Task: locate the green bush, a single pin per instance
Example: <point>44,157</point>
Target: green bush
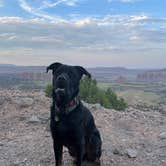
<point>48,90</point>
<point>90,93</point>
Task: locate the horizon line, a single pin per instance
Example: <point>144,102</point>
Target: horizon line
<point>125,67</point>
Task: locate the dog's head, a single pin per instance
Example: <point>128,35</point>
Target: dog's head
<point>66,81</point>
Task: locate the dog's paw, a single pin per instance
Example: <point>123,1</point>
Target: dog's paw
<point>73,163</point>
<point>97,162</point>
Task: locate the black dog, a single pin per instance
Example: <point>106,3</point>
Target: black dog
<point>72,124</point>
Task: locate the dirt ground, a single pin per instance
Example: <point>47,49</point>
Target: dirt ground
<point>130,138</point>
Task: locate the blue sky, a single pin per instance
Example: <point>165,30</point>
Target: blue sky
<point>84,8</point>
<point>130,33</point>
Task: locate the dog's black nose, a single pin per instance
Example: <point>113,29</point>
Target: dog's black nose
<point>61,78</point>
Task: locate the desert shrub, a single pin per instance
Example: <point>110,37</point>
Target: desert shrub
<point>48,90</point>
<point>91,93</point>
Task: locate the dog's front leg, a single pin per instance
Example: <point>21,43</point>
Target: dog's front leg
<point>80,152</point>
<point>58,148</point>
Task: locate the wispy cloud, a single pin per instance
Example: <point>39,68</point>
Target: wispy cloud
<point>47,4</point>
<point>37,12</point>
<point>139,18</point>
<point>147,19</point>
<point>11,20</point>
<point>25,6</point>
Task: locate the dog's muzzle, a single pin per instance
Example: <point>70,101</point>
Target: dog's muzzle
<point>59,91</point>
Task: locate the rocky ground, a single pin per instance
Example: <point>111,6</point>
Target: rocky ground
<point>130,138</point>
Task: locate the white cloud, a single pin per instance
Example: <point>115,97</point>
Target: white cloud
<point>8,36</point>
<point>11,20</point>
<point>21,20</point>
<point>37,12</point>
<point>112,36</point>
<point>47,4</point>
<point>5,34</point>
<point>25,6</point>
<point>139,18</point>
<point>134,38</point>
<point>84,22</point>
<point>163,26</point>
<point>90,31</point>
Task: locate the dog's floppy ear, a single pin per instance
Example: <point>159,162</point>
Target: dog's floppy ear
<point>53,66</point>
<point>82,71</point>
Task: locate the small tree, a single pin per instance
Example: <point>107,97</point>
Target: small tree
<point>90,93</point>
<point>88,90</point>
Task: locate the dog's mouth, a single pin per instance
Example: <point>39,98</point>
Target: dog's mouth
<point>59,90</point>
<point>60,94</point>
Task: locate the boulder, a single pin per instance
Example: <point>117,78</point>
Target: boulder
<point>1,144</point>
<point>163,111</point>
<point>118,151</point>
<point>162,135</point>
<point>24,101</point>
<point>2,100</point>
<point>132,153</point>
<point>97,106</point>
<point>34,119</point>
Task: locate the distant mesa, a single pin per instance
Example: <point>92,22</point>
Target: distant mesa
<point>7,65</point>
<point>35,76</point>
<point>154,75</point>
<point>101,74</point>
<point>163,70</point>
<point>121,80</point>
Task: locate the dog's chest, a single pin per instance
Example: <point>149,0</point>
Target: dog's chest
<point>64,130</point>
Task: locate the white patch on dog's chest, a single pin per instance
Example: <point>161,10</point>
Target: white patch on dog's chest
<point>56,118</point>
